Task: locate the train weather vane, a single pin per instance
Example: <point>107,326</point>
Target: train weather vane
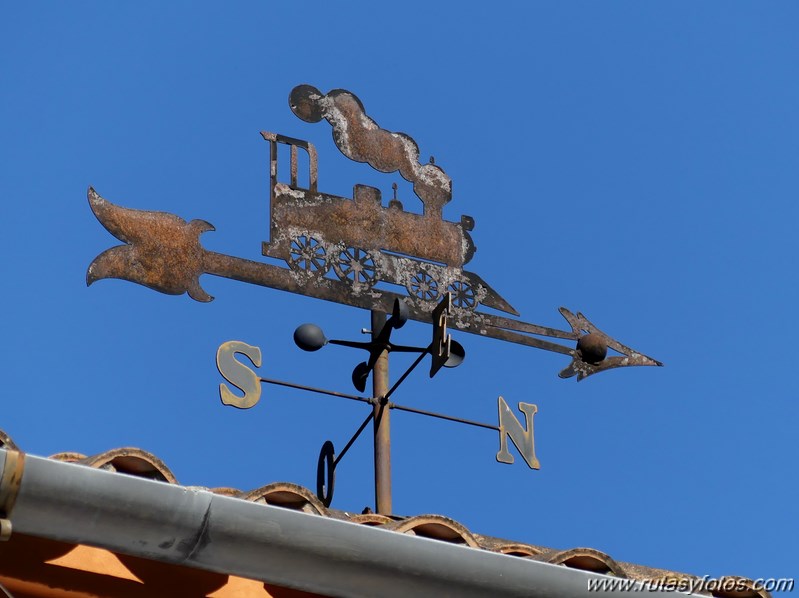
<point>334,245</point>
<point>340,249</point>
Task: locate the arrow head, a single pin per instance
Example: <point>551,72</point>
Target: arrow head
<point>589,356</point>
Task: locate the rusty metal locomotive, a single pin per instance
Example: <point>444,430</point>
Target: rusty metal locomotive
<point>364,243</point>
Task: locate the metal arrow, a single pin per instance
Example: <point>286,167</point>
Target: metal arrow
<point>163,252</point>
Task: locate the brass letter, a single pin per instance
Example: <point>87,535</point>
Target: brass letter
<point>509,426</point>
<point>239,374</point>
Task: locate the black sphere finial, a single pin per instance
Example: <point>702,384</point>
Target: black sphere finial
<point>309,337</point>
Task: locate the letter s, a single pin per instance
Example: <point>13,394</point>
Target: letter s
<point>239,374</point>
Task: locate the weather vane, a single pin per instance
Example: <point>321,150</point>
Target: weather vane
<point>339,249</point>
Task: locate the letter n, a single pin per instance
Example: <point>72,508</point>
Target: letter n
<point>522,437</point>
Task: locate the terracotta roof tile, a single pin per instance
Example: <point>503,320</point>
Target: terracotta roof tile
<point>436,527</point>
<point>231,492</point>
<point>586,559</point>
<point>133,461</point>
<point>137,462</point>
<point>290,496</point>
<point>68,457</point>
<point>371,519</point>
<point>516,549</point>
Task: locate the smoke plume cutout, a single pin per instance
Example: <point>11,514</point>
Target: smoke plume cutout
<point>361,139</point>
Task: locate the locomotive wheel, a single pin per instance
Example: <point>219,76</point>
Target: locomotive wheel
<point>357,266</point>
<point>307,254</point>
<point>462,295</point>
<point>423,286</point>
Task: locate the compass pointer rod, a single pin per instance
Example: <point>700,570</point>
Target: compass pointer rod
<point>321,391</point>
<point>459,420</point>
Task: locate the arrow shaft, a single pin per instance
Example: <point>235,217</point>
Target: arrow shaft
<point>507,323</point>
<point>277,277</point>
<point>163,252</point>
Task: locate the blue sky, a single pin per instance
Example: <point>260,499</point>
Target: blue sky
<point>633,161</point>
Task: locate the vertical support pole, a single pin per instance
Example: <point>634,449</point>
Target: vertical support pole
<point>382,424</point>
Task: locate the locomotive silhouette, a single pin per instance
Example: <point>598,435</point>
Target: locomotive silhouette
<point>359,240</point>
<point>363,242</point>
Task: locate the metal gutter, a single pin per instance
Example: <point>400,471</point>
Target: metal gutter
<point>196,528</point>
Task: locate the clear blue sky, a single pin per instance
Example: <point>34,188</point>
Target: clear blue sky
<point>638,162</point>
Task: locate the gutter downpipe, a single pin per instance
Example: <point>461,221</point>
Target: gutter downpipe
<point>196,528</point>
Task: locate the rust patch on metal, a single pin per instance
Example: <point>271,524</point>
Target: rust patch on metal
<point>6,442</point>
<point>13,470</point>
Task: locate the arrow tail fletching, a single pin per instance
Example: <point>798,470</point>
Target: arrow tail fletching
<point>161,251</point>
